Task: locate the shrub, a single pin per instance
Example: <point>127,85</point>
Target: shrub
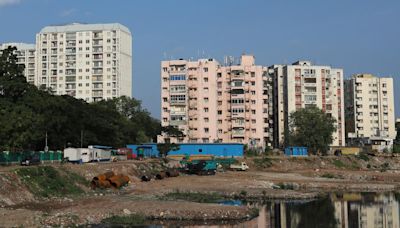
<point>263,162</point>
<point>46,181</point>
<point>133,220</point>
<point>339,164</point>
<point>328,175</point>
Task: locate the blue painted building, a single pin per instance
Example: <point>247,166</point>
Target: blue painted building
<point>215,149</point>
<point>296,151</point>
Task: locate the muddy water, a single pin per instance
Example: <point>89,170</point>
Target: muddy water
<point>345,210</point>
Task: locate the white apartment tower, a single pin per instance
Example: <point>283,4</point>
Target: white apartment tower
<point>370,111</point>
<point>87,61</point>
<point>26,56</point>
<point>210,102</point>
<point>302,85</point>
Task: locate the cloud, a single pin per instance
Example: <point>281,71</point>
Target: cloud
<point>67,12</point>
<point>8,2</point>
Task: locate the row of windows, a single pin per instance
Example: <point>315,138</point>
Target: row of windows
<point>177,77</point>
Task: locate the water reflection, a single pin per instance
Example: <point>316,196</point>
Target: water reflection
<point>348,210</point>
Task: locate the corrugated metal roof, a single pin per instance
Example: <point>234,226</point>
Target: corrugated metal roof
<point>76,27</point>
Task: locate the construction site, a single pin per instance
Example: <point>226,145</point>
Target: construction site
<point>163,190</point>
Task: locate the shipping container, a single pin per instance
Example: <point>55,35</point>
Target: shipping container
<point>296,151</point>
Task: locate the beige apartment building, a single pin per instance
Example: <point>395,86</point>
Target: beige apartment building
<point>302,85</point>
<point>370,112</point>
<point>211,102</point>
<point>87,61</point>
<point>26,56</point>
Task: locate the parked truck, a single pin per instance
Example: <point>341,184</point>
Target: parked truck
<point>239,167</point>
<point>200,167</point>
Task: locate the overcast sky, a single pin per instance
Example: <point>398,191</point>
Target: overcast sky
<point>360,36</point>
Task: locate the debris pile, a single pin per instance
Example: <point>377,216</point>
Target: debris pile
<point>108,180</point>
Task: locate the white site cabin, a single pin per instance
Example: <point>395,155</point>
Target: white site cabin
<point>85,155</point>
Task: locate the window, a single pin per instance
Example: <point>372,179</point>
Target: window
<point>310,80</point>
<point>237,110</point>
<point>206,120</point>
<point>178,98</point>
<point>205,69</point>
<point>177,77</point>
<point>237,101</point>
<point>178,89</point>
<point>205,109</point>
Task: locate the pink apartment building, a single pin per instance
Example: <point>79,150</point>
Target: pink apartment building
<point>211,102</point>
<point>301,85</point>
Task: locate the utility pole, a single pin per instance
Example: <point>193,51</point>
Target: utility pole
<point>81,138</point>
<point>46,148</point>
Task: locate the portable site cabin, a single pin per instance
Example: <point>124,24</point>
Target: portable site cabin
<point>84,155</point>
<point>296,151</point>
<point>100,153</point>
<point>73,155</point>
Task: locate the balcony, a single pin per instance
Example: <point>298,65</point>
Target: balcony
<point>177,122</point>
<point>177,102</point>
<point>97,43</point>
<point>97,36</point>
<point>97,50</point>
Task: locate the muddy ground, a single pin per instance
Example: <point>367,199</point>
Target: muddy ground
<point>275,178</point>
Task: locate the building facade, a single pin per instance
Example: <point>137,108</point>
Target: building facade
<point>370,112</point>
<point>302,85</point>
<point>87,61</point>
<point>210,102</point>
<point>26,56</point>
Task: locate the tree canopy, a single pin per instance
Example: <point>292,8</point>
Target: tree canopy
<point>312,128</point>
<point>28,113</point>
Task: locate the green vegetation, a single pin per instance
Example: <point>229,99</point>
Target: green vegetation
<point>328,175</point>
<point>363,156</point>
<point>285,186</point>
<point>384,167</point>
<point>339,164</point>
<point>46,181</point>
<point>263,162</point>
<point>165,148</point>
<point>396,142</point>
<point>312,128</point>
<point>194,197</point>
<point>133,220</point>
<point>28,113</point>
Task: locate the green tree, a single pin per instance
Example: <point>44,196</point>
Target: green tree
<point>312,128</point>
<point>28,113</point>
<point>165,148</point>
<point>12,80</point>
<point>396,142</point>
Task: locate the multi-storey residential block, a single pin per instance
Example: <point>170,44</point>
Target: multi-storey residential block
<point>302,85</point>
<point>370,110</point>
<point>210,102</point>
<point>26,56</point>
<point>87,61</point>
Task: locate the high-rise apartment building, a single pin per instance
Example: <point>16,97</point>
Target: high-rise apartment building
<point>211,102</point>
<point>87,61</point>
<point>302,85</point>
<point>369,107</point>
<point>26,56</point>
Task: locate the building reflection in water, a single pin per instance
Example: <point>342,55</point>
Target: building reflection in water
<point>358,210</point>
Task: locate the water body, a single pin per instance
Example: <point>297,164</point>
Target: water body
<point>341,210</point>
